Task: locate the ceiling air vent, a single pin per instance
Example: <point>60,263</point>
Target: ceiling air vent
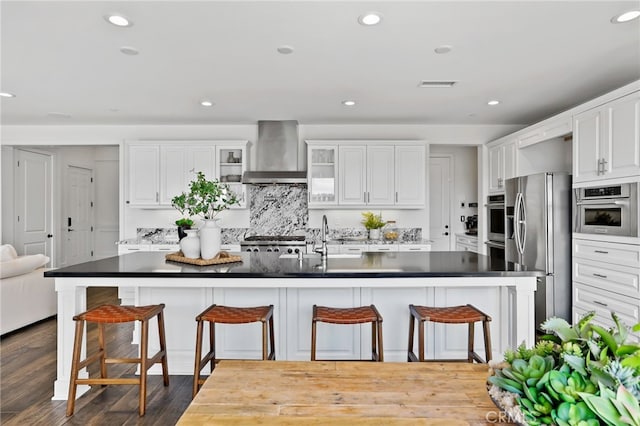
<point>427,84</point>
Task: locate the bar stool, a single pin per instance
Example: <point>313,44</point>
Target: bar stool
<point>230,315</point>
<point>450,315</point>
<point>118,314</point>
<point>357,315</point>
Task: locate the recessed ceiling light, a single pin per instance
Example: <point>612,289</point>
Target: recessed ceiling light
<point>370,18</point>
<point>493,102</point>
<point>427,84</point>
<point>206,103</point>
<point>118,20</point>
<point>285,49</point>
<point>59,114</point>
<point>7,95</point>
<point>625,17</point>
<point>128,50</point>
<point>445,48</point>
<point>348,103</point>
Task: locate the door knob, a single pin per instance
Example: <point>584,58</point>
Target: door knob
<point>49,235</point>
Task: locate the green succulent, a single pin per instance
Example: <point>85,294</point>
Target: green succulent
<point>618,408</point>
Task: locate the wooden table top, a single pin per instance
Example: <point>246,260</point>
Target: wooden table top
<point>343,392</point>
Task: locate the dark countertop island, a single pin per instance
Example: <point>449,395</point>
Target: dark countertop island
<point>272,265</point>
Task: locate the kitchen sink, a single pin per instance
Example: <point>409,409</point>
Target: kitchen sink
<point>317,256</point>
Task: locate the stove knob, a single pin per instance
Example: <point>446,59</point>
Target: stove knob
<point>289,251</point>
<point>297,251</point>
<point>248,249</point>
<point>255,250</point>
<point>277,249</point>
<point>269,249</point>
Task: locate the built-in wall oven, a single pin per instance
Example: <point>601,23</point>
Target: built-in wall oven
<point>496,217</point>
<point>607,210</point>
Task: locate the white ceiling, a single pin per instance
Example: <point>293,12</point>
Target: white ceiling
<point>538,57</point>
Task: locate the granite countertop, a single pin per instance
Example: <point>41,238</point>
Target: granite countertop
<point>145,241</point>
<point>271,265</point>
<point>356,241</point>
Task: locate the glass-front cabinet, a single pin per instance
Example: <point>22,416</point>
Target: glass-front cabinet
<point>231,164</point>
<point>322,174</point>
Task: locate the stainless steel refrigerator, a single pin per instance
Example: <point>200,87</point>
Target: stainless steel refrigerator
<point>538,236</point>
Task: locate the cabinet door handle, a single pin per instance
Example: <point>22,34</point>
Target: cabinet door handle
<point>601,251</point>
<point>396,196</point>
<point>600,276</point>
<point>157,197</point>
<point>604,166</point>
<point>600,303</point>
<point>364,196</point>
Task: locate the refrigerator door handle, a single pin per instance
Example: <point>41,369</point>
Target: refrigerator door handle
<point>523,215</point>
<point>516,227</point>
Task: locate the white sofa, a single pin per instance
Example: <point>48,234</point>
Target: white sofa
<point>25,295</point>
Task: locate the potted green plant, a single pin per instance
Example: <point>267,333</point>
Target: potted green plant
<point>373,223</point>
<point>179,202</point>
<point>206,198</point>
<point>580,375</point>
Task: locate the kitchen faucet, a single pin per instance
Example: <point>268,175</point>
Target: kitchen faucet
<point>324,232</point>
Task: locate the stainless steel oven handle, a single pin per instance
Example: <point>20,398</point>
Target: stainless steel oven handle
<point>494,244</point>
<point>604,203</point>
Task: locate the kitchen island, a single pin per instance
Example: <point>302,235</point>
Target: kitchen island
<point>391,281</point>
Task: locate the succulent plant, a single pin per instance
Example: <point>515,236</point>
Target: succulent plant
<point>578,375</point>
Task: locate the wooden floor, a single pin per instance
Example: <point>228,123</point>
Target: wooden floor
<point>28,370</point>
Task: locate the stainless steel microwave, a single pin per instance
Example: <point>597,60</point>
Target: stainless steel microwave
<point>607,210</point>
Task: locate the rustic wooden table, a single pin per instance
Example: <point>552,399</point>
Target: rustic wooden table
<point>340,392</point>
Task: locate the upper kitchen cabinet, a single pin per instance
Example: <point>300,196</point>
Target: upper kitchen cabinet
<point>606,140</point>
<point>366,173</point>
<point>157,171</point>
<point>502,165</point>
<point>322,174</point>
<point>231,166</point>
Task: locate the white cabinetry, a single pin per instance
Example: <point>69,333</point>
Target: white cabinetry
<point>414,247</point>
<point>157,171</point>
<point>466,243</point>
<point>322,175</point>
<point>606,278</point>
<point>502,165</point>
<point>606,141</point>
<point>552,128</point>
<point>368,173</point>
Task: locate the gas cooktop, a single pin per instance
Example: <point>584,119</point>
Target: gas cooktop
<point>276,238</point>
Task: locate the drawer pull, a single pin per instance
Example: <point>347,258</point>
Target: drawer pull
<point>384,249</point>
<point>600,303</point>
<point>353,249</point>
<point>600,276</point>
<point>416,249</point>
<point>601,251</point>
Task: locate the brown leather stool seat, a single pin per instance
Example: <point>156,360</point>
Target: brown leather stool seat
<point>357,315</point>
<point>464,314</point>
<point>114,314</point>
<point>230,315</point>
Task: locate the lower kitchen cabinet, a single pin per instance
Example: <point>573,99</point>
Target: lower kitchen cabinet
<point>414,247</point>
<point>466,243</point>
<point>606,278</point>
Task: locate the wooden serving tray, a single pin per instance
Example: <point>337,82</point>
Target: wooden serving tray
<point>220,258</point>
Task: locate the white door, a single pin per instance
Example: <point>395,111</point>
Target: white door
<point>621,137</point>
<point>410,164</point>
<point>78,217</point>
<point>33,203</point>
<point>352,162</point>
<point>439,189</point>
<point>587,128</point>
<point>144,174</point>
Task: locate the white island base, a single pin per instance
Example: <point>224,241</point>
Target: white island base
<point>509,300</point>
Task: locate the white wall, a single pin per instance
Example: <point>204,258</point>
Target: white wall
<point>7,204</point>
<point>130,219</point>
<point>465,181</point>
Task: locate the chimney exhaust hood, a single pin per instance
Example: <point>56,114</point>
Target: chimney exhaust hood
<point>277,155</point>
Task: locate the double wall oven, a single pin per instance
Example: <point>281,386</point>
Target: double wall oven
<point>496,225</point>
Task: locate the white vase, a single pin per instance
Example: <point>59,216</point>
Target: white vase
<point>210,239</point>
<point>374,234</point>
<point>190,245</point>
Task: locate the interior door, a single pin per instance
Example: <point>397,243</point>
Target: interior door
<point>439,203</point>
<point>33,203</point>
<point>79,217</point>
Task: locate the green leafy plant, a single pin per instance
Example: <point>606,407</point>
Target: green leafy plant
<point>206,198</point>
<point>578,375</point>
<point>372,221</point>
<point>179,202</point>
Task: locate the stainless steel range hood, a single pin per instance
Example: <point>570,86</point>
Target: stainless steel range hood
<point>277,155</point>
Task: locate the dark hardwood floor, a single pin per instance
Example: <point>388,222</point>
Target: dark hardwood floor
<point>28,370</point>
